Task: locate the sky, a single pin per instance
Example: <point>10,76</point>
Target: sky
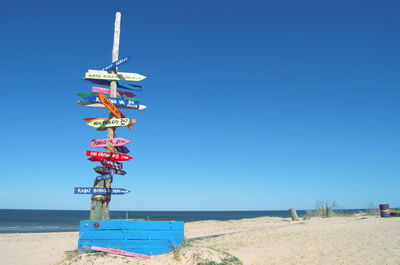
<point>252,105</point>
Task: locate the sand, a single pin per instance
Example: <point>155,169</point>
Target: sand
<point>366,240</point>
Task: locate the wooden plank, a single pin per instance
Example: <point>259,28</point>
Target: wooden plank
<point>101,191</point>
<point>97,105</point>
<point>92,94</point>
<point>122,149</point>
<point>131,225</point>
<point>130,234</point>
<point>156,248</point>
<point>120,76</point>
<point>113,122</point>
<point>120,84</point>
<point>113,109</point>
<point>111,156</point>
<point>119,252</point>
<point>112,141</point>
<point>123,102</point>
<point>116,63</point>
<point>107,91</point>
<point>106,170</point>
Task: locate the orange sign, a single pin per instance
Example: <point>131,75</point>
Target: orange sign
<point>112,108</point>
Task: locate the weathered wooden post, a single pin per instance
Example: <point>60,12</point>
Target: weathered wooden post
<point>100,207</point>
<point>328,212</point>
<point>293,214</point>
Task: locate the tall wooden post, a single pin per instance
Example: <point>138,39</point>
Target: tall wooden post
<point>100,208</point>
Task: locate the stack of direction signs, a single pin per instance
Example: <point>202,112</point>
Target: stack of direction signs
<point>105,83</point>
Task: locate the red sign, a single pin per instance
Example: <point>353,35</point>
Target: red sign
<point>110,156</point>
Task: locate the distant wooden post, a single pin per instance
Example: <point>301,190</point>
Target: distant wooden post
<point>293,214</point>
<point>328,212</point>
<point>100,208</point>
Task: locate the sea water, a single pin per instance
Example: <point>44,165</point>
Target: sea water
<point>36,221</point>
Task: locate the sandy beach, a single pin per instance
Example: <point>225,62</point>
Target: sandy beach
<point>366,240</point>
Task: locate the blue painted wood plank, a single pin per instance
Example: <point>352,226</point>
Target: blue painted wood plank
<point>131,225</point>
<point>131,234</point>
<point>147,247</point>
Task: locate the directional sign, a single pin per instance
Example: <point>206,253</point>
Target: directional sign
<point>91,94</point>
<point>111,164</point>
<point>106,170</point>
<point>127,102</point>
<point>113,109</point>
<point>113,141</point>
<point>122,149</point>
<point>116,63</point>
<point>113,122</point>
<point>103,191</point>
<point>119,84</point>
<point>94,119</point>
<point>107,91</point>
<point>104,177</point>
<point>90,104</point>
<point>111,156</point>
<point>104,75</point>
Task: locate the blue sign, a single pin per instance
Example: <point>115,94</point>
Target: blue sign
<point>106,170</point>
<point>100,191</point>
<point>116,101</point>
<point>119,84</point>
<point>116,63</point>
<point>104,177</point>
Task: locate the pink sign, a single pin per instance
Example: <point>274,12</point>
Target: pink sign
<point>113,141</point>
<point>107,91</point>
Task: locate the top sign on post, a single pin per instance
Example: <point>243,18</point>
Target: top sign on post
<point>116,63</point>
<point>104,75</point>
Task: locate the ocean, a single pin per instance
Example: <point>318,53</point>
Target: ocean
<point>41,221</point>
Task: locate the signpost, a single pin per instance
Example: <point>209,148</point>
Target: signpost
<point>91,94</point>
<point>118,84</point>
<point>90,104</point>
<point>113,122</point>
<point>106,170</point>
<point>122,149</point>
<point>111,164</point>
<point>126,102</point>
<point>101,191</point>
<point>104,75</point>
<point>116,63</point>
<point>113,141</point>
<point>111,156</point>
<point>104,177</point>
<point>107,91</point>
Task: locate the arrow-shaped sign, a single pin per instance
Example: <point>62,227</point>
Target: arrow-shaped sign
<point>111,164</point>
<point>113,141</point>
<point>92,94</point>
<point>119,84</point>
<point>90,104</point>
<point>107,91</point>
<point>103,191</point>
<point>122,149</point>
<point>126,102</point>
<point>106,170</point>
<point>116,63</point>
<point>104,75</point>
<point>104,177</point>
<point>113,122</point>
<point>111,156</point>
<point>113,109</point>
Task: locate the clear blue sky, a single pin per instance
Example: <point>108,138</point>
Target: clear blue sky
<point>252,105</point>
